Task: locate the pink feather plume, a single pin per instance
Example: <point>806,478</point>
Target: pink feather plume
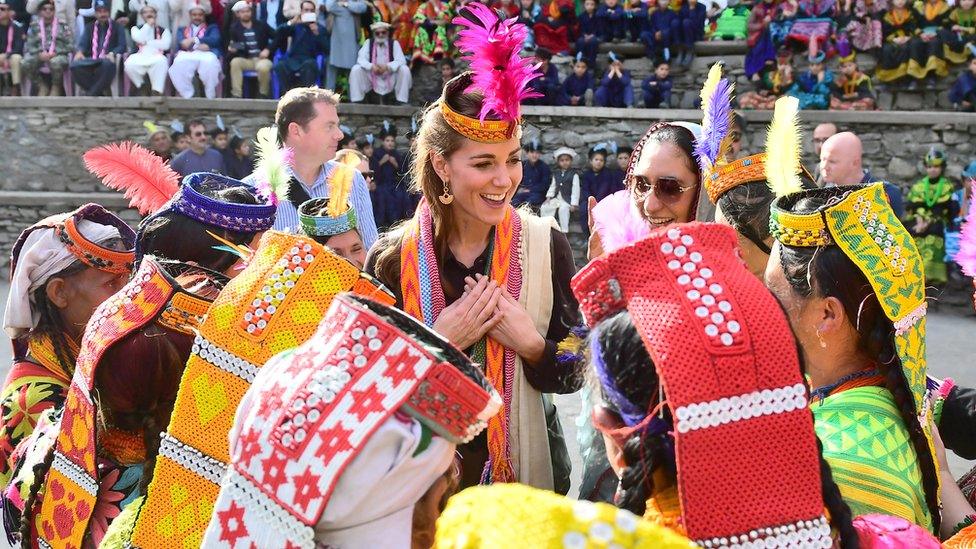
<point>966,257</point>
<point>618,222</point>
<point>492,45</point>
<point>146,179</point>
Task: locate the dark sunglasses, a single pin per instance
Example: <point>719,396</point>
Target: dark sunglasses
<point>197,134</point>
<point>667,189</point>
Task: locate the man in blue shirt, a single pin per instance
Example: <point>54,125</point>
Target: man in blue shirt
<point>299,66</point>
<point>308,123</point>
<point>200,157</point>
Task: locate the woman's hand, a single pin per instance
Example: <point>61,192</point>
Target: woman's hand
<point>516,329</point>
<point>468,319</point>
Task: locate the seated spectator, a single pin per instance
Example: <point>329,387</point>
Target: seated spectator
<point>198,54</point>
<point>657,87</point>
<point>249,48</point>
<point>93,68</point>
<point>962,32</point>
<point>624,153</point>
<point>613,20</point>
<point>814,24</point>
<point>759,38</point>
<point>389,167</point>
<point>238,162</point>
<point>447,69</point>
<point>963,92</point>
<point>65,10</point>
<point>563,195</point>
<point>658,39</point>
<point>179,12</point>
<point>149,60</point>
<point>199,157</point>
<point>536,177</point>
<point>771,83</point>
<point>578,87</point>
<point>864,27</point>
<point>552,32</point>
<point>381,69</point>
<point>732,23</point>
<point>12,47</point>
<point>852,90</point>
<point>692,21</point>
<point>636,12</point>
<point>162,13</point>
<point>813,87</point>
<point>547,84</point>
<point>218,136</point>
<point>615,89</point>
<point>302,41</point>
<point>430,41</point>
<point>599,180</point>
<point>898,26</point>
<point>927,58</point>
<point>591,33</point>
<point>529,13</point>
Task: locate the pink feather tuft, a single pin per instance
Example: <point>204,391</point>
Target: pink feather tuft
<point>492,45</point>
<point>618,222</point>
<point>966,257</point>
<point>876,531</point>
<point>146,179</point>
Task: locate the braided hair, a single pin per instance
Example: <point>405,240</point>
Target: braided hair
<point>631,381</point>
<point>51,324</point>
<point>828,272</point>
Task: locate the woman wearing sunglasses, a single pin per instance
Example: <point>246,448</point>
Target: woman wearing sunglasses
<point>492,280</point>
<point>695,360</point>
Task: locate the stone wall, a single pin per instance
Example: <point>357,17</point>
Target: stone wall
<point>44,138</point>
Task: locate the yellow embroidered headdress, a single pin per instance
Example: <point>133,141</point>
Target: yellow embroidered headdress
<point>860,221</point>
<point>491,45</point>
<point>274,304</point>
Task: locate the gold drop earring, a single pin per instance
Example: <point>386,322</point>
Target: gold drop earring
<point>446,197</point>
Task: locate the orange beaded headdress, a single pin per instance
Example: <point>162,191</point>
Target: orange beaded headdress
<point>273,305</point>
<point>491,45</point>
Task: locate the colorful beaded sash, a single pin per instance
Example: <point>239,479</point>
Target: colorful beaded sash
<point>423,298</point>
<point>273,305</point>
<point>71,486</point>
<point>315,408</point>
<point>727,359</point>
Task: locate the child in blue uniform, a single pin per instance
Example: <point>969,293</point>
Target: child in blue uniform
<point>657,87</point>
<point>598,181</point>
<point>615,89</point>
<point>692,21</point>
<point>659,37</point>
<point>614,20</point>
<point>536,178</point>
<point>578,87</point>
<point>389,165</point>
<point>591,32</point>
<point>548,83</point>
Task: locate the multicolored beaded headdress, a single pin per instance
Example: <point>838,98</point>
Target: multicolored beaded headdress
<point>153,295</point>
<point>365,362</point>
<point>859,220</point>
<point>727,360</point>
<point>491,45</point>
<point>274,304</point>
<point>65,226</point>
<point>339,216</point>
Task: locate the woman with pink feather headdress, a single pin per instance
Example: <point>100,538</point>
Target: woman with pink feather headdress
<point>491,279</point>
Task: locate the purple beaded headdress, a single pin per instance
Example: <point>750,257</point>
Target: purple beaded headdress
<point>193,201</point>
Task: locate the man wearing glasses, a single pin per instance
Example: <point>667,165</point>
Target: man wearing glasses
<point>381,68</point>
<point>11,50</point>
<point>200,157</point>
<point>49,42</point>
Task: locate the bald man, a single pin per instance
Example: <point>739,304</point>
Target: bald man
<point>820,134</point>
<point>840,164</point>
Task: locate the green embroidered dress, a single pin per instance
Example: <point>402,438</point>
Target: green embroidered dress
<point>931,201</point>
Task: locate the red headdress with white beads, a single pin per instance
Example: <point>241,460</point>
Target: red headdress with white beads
<point>728,362</point>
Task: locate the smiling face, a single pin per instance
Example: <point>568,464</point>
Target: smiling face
<point>350,246</point>
<point>482,177</point>
<point>664,166</point>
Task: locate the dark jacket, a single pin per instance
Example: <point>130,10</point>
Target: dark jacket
<point>264,37</point>
<point>18,38</point>
<point>211,37</point>
<point>304,43</point>
<point>116,42</point>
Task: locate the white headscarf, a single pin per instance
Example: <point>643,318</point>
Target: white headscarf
<point>42,256</point>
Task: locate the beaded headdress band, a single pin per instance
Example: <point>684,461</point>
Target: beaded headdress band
<point>491,46</point>
<point>860,221</point>
<point>365,363</point>
<point>89,253</point>
<point>71,485</point>
<point>274,304</point>
<point>193,203</point>
<point>724,353</point>
<point>324,225</point>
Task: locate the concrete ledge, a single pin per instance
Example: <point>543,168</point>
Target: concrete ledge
<point>72,200</point>
<point>213,106</point>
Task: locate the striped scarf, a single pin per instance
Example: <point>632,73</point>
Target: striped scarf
<point>423,298</point>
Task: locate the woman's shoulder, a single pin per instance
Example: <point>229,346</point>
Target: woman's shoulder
<point>856,415</point>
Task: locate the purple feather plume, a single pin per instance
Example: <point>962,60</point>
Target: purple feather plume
<point>715,125</point>
<point>492,45</point>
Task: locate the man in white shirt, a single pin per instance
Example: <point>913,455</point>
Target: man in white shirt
<point>198,45</point>
<point>153,40</point>
<point>380,68</point>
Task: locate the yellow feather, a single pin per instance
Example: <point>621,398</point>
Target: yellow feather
<point>340,184</point>
<point>711,82</point>
<point>783,148</point>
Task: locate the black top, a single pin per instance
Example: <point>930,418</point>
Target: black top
<point>116,43</point>
<point>17,37</point>
<point>250,41</point>
<point>958,423</point>
<point>547,375</point>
